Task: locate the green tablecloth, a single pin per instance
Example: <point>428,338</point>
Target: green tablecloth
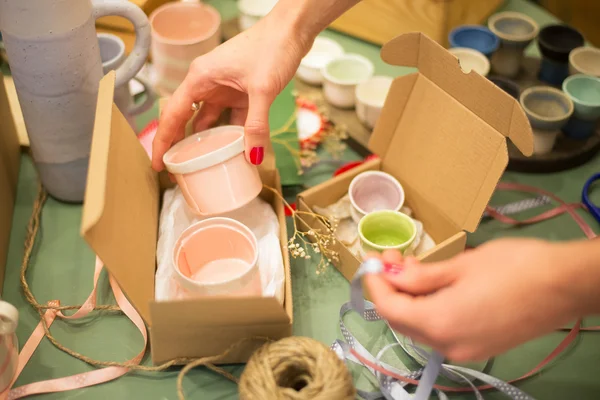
<point>62,267</point>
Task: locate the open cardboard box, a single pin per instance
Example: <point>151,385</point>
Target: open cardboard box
<point>442,133</point>
<point>120,223</point>
<point>10,156</point>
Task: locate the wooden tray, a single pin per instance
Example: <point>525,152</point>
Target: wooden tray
<point>567,153</point>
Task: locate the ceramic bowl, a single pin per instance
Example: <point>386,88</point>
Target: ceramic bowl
<point>384,230</point>
<point>217,257</point>
<point>584,91</point>
<point>341,76</point>
<point>509,86</point>
<point>372,191</point>
<point>472,60</point>
<point>370,98</point>
<point>214,159</point>
<point>251,11</point>
<point>516,31</point>
<point>585,60</point>
<point>548,110</point>
<point>557,41</point>
<point>322,51</point>
<point>474,37</point>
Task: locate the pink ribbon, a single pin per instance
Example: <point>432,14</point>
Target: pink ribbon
<point>85,379</point>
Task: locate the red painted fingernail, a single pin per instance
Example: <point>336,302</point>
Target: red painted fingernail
<point>256,155</point>
<point>392,268</point>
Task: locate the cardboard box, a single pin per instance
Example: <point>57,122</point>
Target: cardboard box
<point>120,223</point>
<point>122,24</point>
<point>10,156</point>
<point>442,133</point>
<point>379,21</point>
<point>15,107</point>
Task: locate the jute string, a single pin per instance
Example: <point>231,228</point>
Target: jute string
<point>296,368</point>
<point>272,366</point>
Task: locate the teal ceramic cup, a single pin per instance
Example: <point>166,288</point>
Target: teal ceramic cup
<point>584,91</point>
<point>386,229</point>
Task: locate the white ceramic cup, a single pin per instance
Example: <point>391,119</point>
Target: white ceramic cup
<point>374,191</point>
<point>472,60</point>
<point>370,98</point>
<point>585,60</point>
<point>322,51</point>
<point>341,75</point>
<point>251,11</point>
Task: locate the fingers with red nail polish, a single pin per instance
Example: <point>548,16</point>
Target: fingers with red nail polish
<point>257,154</point>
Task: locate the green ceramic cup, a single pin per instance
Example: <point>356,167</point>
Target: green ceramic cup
<point>386,229</point>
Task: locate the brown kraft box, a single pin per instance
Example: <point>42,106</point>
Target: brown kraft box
<point>120,223</point>
<point>443,134</point>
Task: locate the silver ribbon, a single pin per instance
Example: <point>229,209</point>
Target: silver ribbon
<point>394,389</point>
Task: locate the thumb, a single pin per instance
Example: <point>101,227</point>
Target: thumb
<point>257,127</point>
<point>423,278</point>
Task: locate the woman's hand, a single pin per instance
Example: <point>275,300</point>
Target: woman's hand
<point>245,74</point>
<point>490,299</point>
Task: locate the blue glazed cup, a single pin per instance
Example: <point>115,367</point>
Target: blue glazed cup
<point>556,43</point>
<point>474,37</point>
<point>584,91</point>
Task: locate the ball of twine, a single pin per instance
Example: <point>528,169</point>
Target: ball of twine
<point>296,368</point>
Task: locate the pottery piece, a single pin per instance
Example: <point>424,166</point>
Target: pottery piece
<point>370,98</point>
<point>112,54</point>
<point>548,110</point>
<point>251,11</point>
<point>341,76</point>
<point>373,191</point>
<point>214,159</point>
<point>56,66</point>
<point>384,230</point>
<point>585,60</point>
<point>471,60</point>
<point>584,91</point>
<point>9,344</point>
<point>322,51</point>
<point>181,31</point>
<point>474,37</point>
<point>515,31</point>
<point>509,86</point>
<point>217,257</point>
<point>556,43</point>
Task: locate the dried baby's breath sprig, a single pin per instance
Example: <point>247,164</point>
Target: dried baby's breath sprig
<point>320,241</point>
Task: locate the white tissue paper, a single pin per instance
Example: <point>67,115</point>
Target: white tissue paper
<point>347,230</point>
<point>257,215</point>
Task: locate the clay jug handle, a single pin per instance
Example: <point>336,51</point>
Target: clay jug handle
<point>136,59</point>
<point>9,318</point>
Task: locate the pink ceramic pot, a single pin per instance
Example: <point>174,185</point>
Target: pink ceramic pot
<point>217,257</point>
<point>212,171</point>
<point>374,191</point>
<point>181,31</point>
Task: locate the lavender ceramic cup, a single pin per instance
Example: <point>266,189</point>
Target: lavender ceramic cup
<point>374,191</point>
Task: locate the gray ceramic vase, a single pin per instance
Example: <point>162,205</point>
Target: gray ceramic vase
<point>56,66</point>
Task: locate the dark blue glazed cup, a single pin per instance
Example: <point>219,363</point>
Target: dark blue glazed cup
<point>474,37</point>
<point>556,43</point>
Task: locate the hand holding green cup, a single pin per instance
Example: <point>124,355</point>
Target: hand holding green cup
<point>385,230</point>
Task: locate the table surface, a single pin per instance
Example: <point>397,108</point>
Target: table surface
<point>62,267</point>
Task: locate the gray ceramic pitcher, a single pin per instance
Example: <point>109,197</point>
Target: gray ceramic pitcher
<point>55,62</point>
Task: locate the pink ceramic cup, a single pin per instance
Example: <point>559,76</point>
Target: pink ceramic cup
<point>212,171</point>
<point>374,191</point>
<point>217,257</point>
<point>181,31</point>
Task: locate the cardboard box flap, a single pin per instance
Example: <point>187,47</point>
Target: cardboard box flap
<point>120,211</point>
<point>443,132</point>
<point>472,90</point>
